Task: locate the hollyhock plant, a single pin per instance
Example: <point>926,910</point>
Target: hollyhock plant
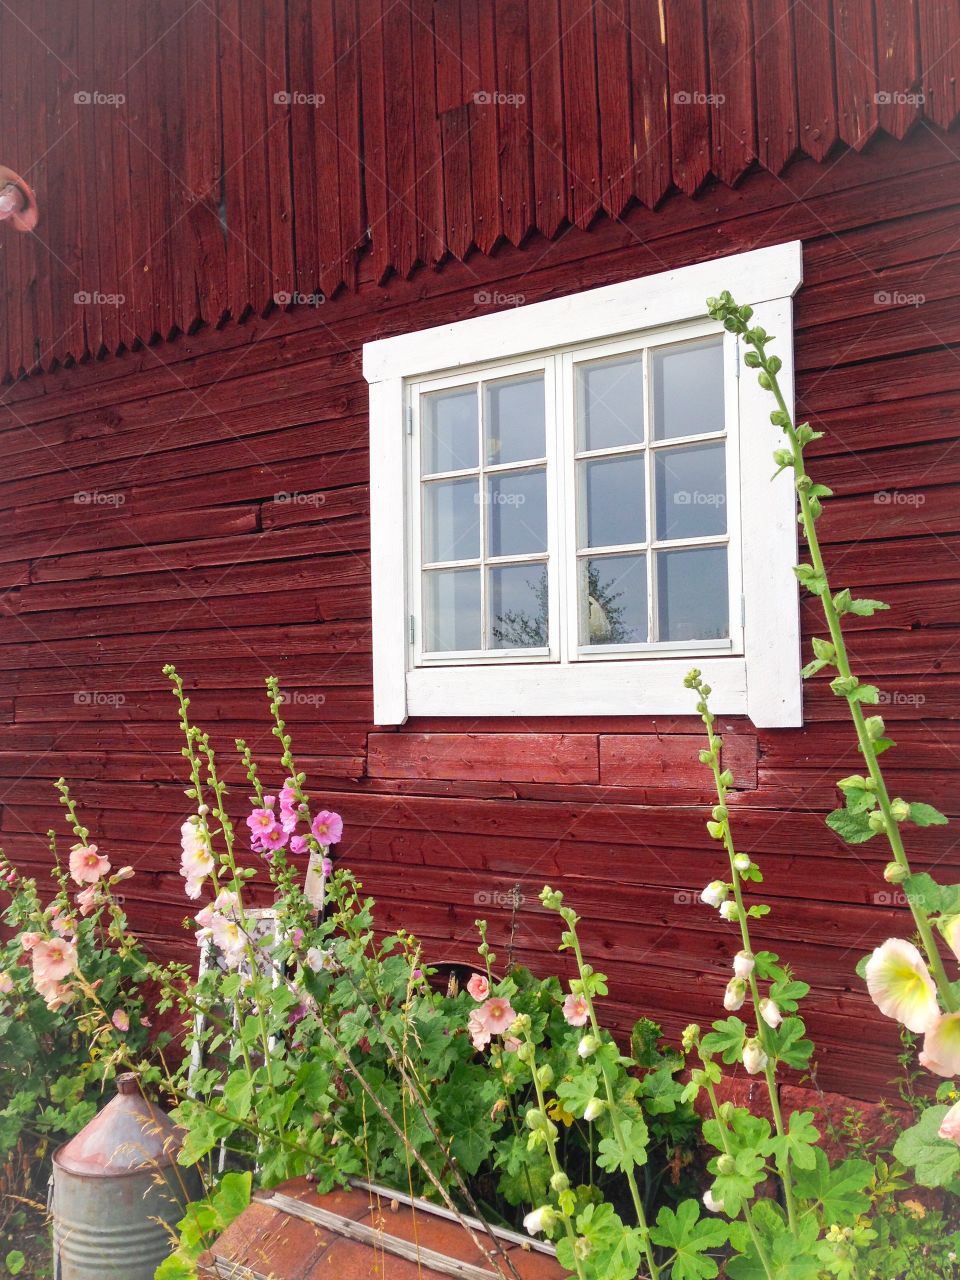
<point>576,1011</point>
<point>497,1015</point>
<point>950,1125</point>
<point>327,827</point>
<point>6,983</point>
<point>900,985</point>
<point>941,1046</point>
<point>262,821</point>
<point>87,899</point>
<point>121,1019</point>
<point>54,959</point>
<point>478,987</point>
<point>87,865</point>
<point>478,1030</point>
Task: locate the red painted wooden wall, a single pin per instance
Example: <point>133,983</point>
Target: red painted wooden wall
<point>197,161</point>
<point>204,500</point>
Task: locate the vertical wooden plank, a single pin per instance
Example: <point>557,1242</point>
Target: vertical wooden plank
<point>652,173</point>
<point>203,164</point>
<point>29,72</point>
<point>816,91</point>
<point>449,61</point>
<point>479,36</point>
<point>689,90</point>
<point>89,282</point>
<point>428,197</point>
<point>776,82</point>
<point>898,72</point>
<point>124,213</point>
<point>277,147</point>
<point>580,98</point>
<point>374,134</point>
<point>856,62</point>
<point>164,206</point>
<point>613,59</point>
<point>257,119</point>
<point>6,53</point>
<point>304,122</point>
<point>546,117</point>
<point>455,127</point>
<point>325,195</point>
<point>236,187</point>
<point>939,40</point>
<point>513,79</point>
<point>400,151</point>
<point>173,154</point>
<point>730,50</point>
<point>353,225</point>
<point>142,275</point>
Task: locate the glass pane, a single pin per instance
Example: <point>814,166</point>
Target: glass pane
<point>610,399</point>
<point>517,602</point>
<point>613,600</point>
<point>451,606</point>
<point>450,430</point>
<point>451,520</point>
<point>688,389</point>
<point>691,487</point>
<point>614,491</point>
<point>517,513</point>
<point>693,594</point>
<point>515,423</point>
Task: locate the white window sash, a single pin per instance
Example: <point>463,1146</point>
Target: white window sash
<point>763,680</point>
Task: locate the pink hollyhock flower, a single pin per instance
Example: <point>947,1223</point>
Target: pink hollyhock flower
<point>900,985</point>
<point>478,1030</point>
<point>269,842</point>
<point>261,821</point>
<point>87,866</point>
<point>87,899</point>
<point>478,987</point>
<point>298,844</point>
<point>941,1046</point>
<point>575,1010</point>
<point>296,937</point>
<point>55,994</point>
<point>289,805</point>
<point>950,1125</point>
<point>230,938</point>
<point>497,1015</point>
<point>121,1019</point>
<point>53,959</point>
<point>62,923</point>
<point>327,827</point>
<point>6,984</point>
<point>29,940</point>
<point>196,861</point>
<point>125,873</point>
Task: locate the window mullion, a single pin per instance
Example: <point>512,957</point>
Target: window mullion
<point>482,498</point>
<point>651,498</point>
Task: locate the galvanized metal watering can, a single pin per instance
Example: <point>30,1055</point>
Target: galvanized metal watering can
<point>114,1187</point>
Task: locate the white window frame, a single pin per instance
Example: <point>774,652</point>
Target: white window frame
<point>756,673</point>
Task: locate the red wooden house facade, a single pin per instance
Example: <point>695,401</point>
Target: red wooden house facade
<point>236,198</point>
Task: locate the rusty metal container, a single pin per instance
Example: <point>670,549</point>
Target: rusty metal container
<point>361,1233</point>
<point>111,1183</point>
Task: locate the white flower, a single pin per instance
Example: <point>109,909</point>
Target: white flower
<point>743,964</point>
<point>714,893</point>
<point>734,995</point>
<point>538,1220</point>
<point>593,1109</point>
<point>770,1013</point>
<point>754,1059</point>
<point>729,910</point>
<point>742,861</point>
<point>941,1046</point>
<point>587,1046</point>
<point>229,938</point>
<point>711,1202</point>
<point>319,958</point>
<point>950,928</point>
<point>900,985</point>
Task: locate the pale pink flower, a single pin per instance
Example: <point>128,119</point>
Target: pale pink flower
<point>87,866</point>
<point>6,983</point>
<point>270,841</point>
<point>55,994</point>
<point>497,1015</point>
<point>900,985</point>
<point>327,827</point>
<point>29,940</point>
<point>196,861</point>
<point>53,959</point>
<point>63,924</point>
<point>950,1125</point>
<point>478,987</point>
<point>479,1031</point>
<point>298,844</point>
<point>87,899</point>
<point>576,1010</point>
<point>121,1019</point>
<point>261,821</point>
<point>941,1046</point>
<point>229,938</point>
<point>289,806</point>
<point>125,873</point>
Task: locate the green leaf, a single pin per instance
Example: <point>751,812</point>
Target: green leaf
<point>798,1144</point>
<point>726,1038</point>
<point>924,892</point>
<point>853,827</point>
<point>789,1045</point>
<point>690,1237</point>
<point>238,1094</point>
<point>15,1262</point>
<point>925,815</point>
<point>176,1267</point>
<point>232,1196</point>
<point>866,693</point>
<point>612,1156</point>
<point>934,1160</point>
<point>839,1191</point>
<point>866,608</point>
<point>576,1091</point>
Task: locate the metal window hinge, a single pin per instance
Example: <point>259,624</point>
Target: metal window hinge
<point>408,417</point>
<point>743,611</point>
<point>412,628</point>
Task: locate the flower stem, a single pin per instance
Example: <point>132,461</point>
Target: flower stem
<point>747,1214</point>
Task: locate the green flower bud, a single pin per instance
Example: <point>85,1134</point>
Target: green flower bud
<point>726,1111</point>
<point>545,1075</point>
<point>900,810</point>
<point>893,873</point>
<point>726,1164</point>
<point>876,821</point>
<point>535,1119</point>
<point>691,1034</point>
<point>588,1046</point>
<point>559,1182</point>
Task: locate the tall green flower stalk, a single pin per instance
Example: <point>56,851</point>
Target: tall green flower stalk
<point>869,808</point>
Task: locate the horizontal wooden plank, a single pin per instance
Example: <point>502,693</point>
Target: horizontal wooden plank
<point>490,757</point>
<point>649,760</point>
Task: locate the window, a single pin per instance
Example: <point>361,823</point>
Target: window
<point>571,505</point>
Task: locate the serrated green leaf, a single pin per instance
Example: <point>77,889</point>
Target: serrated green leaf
<point>853,827</point>
<point>839,1191</point>
<point>690,1237</point>
<point>925,815</point>
<point>866,608</point>
<point>726,1038</point>
<point>935,1161</point>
